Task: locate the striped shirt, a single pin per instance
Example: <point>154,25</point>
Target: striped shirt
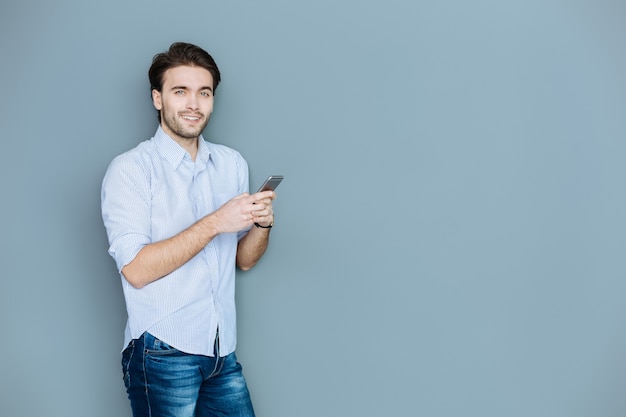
<point>153,192</point>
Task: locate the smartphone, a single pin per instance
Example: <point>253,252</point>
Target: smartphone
<point>271,183</point>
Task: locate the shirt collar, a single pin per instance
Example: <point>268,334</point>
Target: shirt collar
<point>174,154</point>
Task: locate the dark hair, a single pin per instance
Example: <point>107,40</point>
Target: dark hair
<point>181,53</point>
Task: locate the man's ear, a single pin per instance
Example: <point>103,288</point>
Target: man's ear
<point>156,99</point>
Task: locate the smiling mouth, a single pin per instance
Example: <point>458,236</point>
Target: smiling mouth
<point>191,118</point>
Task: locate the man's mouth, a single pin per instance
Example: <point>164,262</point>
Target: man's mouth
<point>191,118</point>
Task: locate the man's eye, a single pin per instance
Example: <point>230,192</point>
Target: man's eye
<point>180,92</point>
<point>206,94</point>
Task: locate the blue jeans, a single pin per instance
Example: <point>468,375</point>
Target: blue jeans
<point>162,381</point>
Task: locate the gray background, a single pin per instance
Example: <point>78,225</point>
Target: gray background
<point>450,233</point>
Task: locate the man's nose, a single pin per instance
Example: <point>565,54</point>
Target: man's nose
<point>192,101</point>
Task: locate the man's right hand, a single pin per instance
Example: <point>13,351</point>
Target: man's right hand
<point>237,214</point>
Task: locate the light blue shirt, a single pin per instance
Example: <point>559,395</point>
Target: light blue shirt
<point>152,193</point>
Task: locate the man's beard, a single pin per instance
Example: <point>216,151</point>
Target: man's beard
<point>173,123</point>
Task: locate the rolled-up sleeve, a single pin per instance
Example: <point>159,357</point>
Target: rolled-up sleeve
<point>125,199</point>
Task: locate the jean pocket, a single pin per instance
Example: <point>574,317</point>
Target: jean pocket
<point>127,355</point>
<point>157,347</point>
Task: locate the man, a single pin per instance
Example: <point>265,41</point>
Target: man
<point>179,220</point>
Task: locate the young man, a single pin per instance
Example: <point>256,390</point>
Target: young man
<point>179,220</point>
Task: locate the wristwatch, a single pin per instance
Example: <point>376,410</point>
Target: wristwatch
<point>265,227</point>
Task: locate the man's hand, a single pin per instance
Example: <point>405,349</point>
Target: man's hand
<point>253,245</point>
<point>244,210</point>
<point>264,212</point>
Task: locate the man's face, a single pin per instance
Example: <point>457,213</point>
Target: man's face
<point>185,102</point>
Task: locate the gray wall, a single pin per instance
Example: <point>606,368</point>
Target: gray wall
<point>450,233</point>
